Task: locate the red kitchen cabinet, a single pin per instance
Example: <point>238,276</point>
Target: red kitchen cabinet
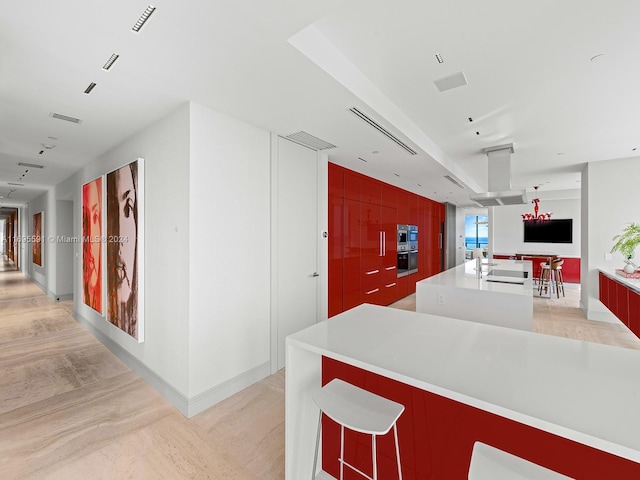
<point>351,252</point>
<point>335,254</point>
<point>603,289</point>
<point>362,241</point>
<point>352,181</point>
<point>403,208</point>
<point>622,303</point>
<point>389,196</point>
<point>336,182</point>
<point>634,312</point>
<point>370,190</point>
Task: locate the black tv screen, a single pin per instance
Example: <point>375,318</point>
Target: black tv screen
<point>549,231</point>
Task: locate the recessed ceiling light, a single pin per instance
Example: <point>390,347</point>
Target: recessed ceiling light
<point>66,118</point>
<point>111,61</point>
<point>439,58</point>
<point>91,86</point>
<point>143,18</point>
<point>396,175</point>
<point>633,149</point>
<point>477,133</point>
<point>470,119</point>
<point>30,165</point>
<point>360,158</point>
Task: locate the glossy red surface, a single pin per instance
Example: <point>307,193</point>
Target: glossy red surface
<point>436,437</point>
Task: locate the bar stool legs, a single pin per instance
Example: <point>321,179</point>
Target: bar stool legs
<point>360,411</point>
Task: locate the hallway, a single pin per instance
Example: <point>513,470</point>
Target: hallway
<point>70,409</point>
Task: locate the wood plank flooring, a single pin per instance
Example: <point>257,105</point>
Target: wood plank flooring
<point>69,409</point>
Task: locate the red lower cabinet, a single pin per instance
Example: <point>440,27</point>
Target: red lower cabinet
<point>621,300</point>
<point>436,437</point>
<point>634,312</point>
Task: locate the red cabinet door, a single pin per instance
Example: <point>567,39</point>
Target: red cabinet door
<point>634,312</point>
<point>335,180</point>
<point>335,255</point>
<point>351,252</point>
<point>389,195</point>
<point>603,289</point>
<point>352,182</point>
<point>403,207</point>
<point>622,303</point>
<point>371,235</point>
<point>370,190</point>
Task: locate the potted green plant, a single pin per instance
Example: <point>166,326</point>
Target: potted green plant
<point>626,243</point>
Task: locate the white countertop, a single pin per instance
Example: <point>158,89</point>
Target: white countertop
<point>587,392</point>
<point>465,276</point>
<point>632,283</point>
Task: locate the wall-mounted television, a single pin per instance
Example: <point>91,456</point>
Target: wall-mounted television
<point>549,231</point>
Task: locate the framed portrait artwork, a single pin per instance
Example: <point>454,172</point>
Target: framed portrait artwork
<point>36,243</point>
<point>93,244</point>
<point>125,248</point>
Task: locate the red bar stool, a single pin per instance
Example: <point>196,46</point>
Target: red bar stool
<point>358,410</point>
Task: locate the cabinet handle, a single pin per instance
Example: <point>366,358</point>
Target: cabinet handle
<point>440,240</point>
<point>384,243</point>
<point>390,268</point>
<point>391,285</point>
<point>315,274</point>
<point>372,291</point>
<point>372,272</point>
<point>380,244</point>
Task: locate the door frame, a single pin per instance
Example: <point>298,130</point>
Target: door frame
<point>321,251</point>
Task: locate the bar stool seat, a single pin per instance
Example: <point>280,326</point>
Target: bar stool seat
<point>490,463</point>
<point>358,410</point>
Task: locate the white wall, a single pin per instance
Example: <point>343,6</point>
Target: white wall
<point>43,276</point>
<point>612,199</point>
<point>508,232</point>
<point>64,251</point>
<point>229,243</point>
<point>164,147</point>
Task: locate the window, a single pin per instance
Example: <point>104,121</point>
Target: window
<point>476,232</point>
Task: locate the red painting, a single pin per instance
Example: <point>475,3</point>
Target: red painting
<point>92,241</point>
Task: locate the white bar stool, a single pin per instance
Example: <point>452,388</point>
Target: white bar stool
<point>358,410</point>
<point>490,463</point>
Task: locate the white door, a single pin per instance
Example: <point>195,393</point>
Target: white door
<point>297,241</point>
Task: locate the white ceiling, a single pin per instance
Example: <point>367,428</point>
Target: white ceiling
<point>292,65</point>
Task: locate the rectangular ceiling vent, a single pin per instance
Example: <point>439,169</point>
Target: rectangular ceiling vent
<point>30,165</point>
<point>449,82</point>
<point>454,181</point>
<point>308,140</point>
<point>15,184</point>
<point>66,118</point>
<point>381,129</point>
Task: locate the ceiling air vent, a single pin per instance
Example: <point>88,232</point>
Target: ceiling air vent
<point>449,82</point>
<point>381,129</point>
<point>454,181</point>
<point>308,140</point>
<point>66,118</point>
<point>30,165</point>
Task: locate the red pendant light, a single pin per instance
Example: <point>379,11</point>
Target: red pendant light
<point>535,216</point>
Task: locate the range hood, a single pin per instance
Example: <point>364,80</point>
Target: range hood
<point>500,192</point>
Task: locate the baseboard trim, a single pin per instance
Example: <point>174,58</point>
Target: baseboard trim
<point>216,394</point>
<point>187,406</point>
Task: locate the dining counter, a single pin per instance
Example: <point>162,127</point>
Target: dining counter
<point>576,399</point>
<point>490,295</point>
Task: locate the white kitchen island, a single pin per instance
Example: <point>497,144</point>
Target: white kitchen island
<point>500,296</point>
<point>568,405</point>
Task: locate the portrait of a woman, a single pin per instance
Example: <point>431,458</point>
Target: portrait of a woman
<point>122,248</point>
<point>92,244</point>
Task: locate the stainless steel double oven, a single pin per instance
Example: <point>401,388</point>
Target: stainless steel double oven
<point>407,249</point>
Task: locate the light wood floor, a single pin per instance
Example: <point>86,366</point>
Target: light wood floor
<point>69,409</point>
